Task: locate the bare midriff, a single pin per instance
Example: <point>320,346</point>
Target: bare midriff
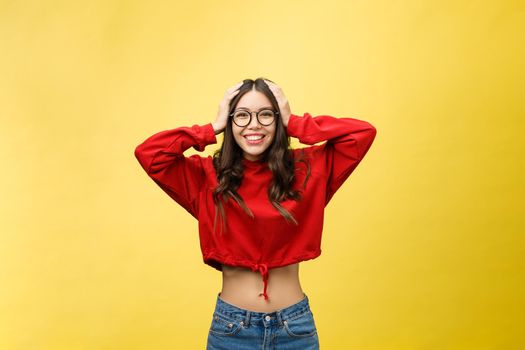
<point>241,287</point>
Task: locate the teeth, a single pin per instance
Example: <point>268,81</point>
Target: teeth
<point>253,138</point>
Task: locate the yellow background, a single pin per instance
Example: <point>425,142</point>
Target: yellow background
<point>423,246</point>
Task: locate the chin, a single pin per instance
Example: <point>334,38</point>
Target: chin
<point>257,155</point>
<point>252,155</point>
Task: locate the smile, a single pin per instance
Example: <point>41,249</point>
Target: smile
<point>254,139</point>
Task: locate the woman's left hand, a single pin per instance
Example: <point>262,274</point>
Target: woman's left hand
<point>284,107</point>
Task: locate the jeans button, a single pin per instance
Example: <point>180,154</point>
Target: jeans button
<point>268,318</point>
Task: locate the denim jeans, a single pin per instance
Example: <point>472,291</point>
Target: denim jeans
<point>290,328</point>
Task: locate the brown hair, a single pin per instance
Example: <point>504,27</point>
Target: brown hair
<point>279,156</point>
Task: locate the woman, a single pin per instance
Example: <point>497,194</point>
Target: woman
<point>259,205</point>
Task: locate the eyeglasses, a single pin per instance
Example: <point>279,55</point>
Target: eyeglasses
<point>243,117</point>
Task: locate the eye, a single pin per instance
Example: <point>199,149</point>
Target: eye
<point>241,115</point>
<point>266,113</point>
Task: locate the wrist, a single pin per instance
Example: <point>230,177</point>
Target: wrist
<point>216,128</point>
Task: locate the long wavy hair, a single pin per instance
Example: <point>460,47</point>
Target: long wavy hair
<point>279,156</point>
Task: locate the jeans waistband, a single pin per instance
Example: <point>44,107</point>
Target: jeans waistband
<point>233,312</point>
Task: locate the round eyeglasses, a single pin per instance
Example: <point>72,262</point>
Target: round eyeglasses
<point>243,117</point>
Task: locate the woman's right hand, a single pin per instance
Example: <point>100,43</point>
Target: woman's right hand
<point>224,107</point>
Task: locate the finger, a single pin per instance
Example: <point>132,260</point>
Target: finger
<point>231,91</point>
<point>273,87</point>
<point>230,95</point>
<point>234,87</point>
<point>275,91</point>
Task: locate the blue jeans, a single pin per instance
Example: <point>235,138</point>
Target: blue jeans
<point>290,328</point>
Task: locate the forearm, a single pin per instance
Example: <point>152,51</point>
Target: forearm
<point>349,134</point>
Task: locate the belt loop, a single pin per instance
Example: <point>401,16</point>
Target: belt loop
<point>247,318</point>
<point>279,317</point>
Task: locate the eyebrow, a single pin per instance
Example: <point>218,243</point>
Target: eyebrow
<point>246,108</point>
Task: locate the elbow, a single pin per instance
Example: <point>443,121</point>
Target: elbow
<point>138,151</point>
<point>369,133</point>
<point>140,155</point>
<point>371,129</point>
<point>366,140</point>
<point>372,132</point>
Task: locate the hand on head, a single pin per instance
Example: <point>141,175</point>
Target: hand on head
<point>284,106</point>
<point>224,107</point>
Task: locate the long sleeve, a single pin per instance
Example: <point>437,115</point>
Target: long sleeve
<point>348,140</point>
<point>161,156</point>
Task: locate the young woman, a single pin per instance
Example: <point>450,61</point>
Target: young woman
<point>259,206</point>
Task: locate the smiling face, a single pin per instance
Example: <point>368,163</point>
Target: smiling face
<point>249,137</point>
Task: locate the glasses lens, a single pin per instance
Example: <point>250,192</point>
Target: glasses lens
<point>241,118</point>
<point>266,117</point>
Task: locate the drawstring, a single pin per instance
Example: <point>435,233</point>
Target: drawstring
<point>263,269</point>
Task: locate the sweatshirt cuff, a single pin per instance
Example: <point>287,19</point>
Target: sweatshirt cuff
<point>204,135</point>
<point>294,125</point>
<point>209,134</point>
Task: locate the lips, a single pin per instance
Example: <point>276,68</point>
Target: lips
<point>254,139</point>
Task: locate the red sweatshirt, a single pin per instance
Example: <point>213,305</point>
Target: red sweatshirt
<point>267,240</point>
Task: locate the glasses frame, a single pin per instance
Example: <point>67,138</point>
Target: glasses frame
<point>276,113</point>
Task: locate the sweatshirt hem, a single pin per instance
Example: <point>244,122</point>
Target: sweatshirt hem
<point>215,260</point>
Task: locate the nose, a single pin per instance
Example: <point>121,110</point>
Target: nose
<point>254,122</point>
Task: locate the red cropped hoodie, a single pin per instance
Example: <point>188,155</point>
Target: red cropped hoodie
<point>267,240</point>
